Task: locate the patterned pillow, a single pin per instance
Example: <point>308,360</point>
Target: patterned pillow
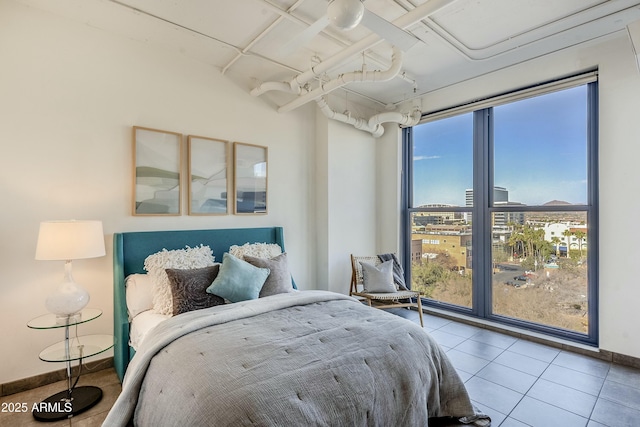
<point>238,280</point>
<point>156,264</point>
<point>189,288</point>
<point>257,250</point>
<point>279,280</point>
<point>378,279</point>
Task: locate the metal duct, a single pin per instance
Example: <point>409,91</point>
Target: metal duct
<point>374,124</point>
<point>346,78</point>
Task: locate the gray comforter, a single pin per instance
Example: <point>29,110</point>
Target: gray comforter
<point>309,358</point>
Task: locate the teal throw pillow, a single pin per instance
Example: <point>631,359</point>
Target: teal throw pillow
<point>238,280</point>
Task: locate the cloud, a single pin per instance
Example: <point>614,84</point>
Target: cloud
<point>416,158</point>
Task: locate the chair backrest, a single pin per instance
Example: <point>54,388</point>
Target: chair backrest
<point>356,269</point>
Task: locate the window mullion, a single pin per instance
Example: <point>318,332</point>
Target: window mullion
<point>593,204</point>
<point>481,219</point>
<point>407,199</point>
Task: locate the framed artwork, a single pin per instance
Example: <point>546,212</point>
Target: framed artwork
<point>250,178</point>
<point>209,176</point>
<point>156,172</point>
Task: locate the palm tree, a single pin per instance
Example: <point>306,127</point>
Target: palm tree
<point>580,235</point>
<point>556,242</point>
<point>516,241</point>
<point>568,233</point>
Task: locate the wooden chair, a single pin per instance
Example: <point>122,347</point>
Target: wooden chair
<point>400,298</point>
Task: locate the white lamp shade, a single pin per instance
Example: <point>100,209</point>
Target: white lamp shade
<point>67,240</point>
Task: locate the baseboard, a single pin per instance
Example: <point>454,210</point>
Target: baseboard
<point>598,353</point>
<point>36,381</point>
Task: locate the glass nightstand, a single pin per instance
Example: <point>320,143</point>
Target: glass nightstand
<point>74,400</point>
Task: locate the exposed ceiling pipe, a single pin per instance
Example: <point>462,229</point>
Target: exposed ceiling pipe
<point>346,78</point>
<point>404,119</point>
<point>358,123</point>
<point>374,124</point>
<point>406,20</point>
<point>281,86</point>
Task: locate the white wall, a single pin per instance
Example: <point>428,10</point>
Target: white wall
<point>69,94</point>
<point>346,191</point>
<point>619,95</point>
<point>388,183</point>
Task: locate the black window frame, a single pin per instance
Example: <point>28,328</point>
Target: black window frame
<point>483,209</point>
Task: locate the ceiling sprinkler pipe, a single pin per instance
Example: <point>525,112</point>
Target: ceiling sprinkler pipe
<point>374,124</point>
<point>346,78</point>
<point>280,86</point>
<point>358,123</point>
<point>405,119</point>
<point>416,15</point>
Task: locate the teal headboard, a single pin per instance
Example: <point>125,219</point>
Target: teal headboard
<point>130,250</point>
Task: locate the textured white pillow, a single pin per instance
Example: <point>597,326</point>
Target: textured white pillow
<point>198,257</point>
<point>139,294</point>
<point>257,250</point>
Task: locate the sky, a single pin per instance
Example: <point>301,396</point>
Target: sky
<point>540,152</point>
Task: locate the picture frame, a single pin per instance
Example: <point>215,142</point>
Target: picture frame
<point>209,176</point>
<point>157,177</point>
<point>250,178</point>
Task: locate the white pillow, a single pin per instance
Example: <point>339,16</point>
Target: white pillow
<point>257,250</point>
<point>141,325</point>
<point>139,294</point>
<point>155,264</point>
<point>378,279</point>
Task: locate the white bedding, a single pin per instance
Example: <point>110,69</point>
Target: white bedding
<point>142,324</point>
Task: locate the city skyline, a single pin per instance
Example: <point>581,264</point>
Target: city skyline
<point>540,152</point>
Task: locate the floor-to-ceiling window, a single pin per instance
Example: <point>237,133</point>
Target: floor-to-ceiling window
<point>501,208</point>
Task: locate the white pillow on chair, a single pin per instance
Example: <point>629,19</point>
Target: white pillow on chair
<point>378,279</point>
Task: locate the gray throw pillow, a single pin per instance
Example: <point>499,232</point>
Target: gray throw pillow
<point>279,280</point>
<point>189,288</point>
<point>378,279</point>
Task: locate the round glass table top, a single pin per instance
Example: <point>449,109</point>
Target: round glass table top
<point>51,321</point>
<point>79,348</point>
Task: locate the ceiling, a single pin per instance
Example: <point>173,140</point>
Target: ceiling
<point>256,41</point>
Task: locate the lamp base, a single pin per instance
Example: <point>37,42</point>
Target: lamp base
<point>68,319</point>
<point>69,297</point>
<point>60,407</point>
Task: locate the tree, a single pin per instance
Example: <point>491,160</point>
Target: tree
<point>568,233</point>
<point>426,275</point>
<point>530,244</point>
<point>555,240</point>
<point>580,235</point>
<point>516,241</point>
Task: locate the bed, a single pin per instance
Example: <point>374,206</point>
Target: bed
<point>295,358</point>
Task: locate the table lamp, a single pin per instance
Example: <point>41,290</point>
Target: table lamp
<point>65,241</point>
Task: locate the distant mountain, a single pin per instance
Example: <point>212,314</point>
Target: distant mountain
<point>557,203</point>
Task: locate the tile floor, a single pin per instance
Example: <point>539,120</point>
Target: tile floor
<point>522,383</point>
<point>517,382</point>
